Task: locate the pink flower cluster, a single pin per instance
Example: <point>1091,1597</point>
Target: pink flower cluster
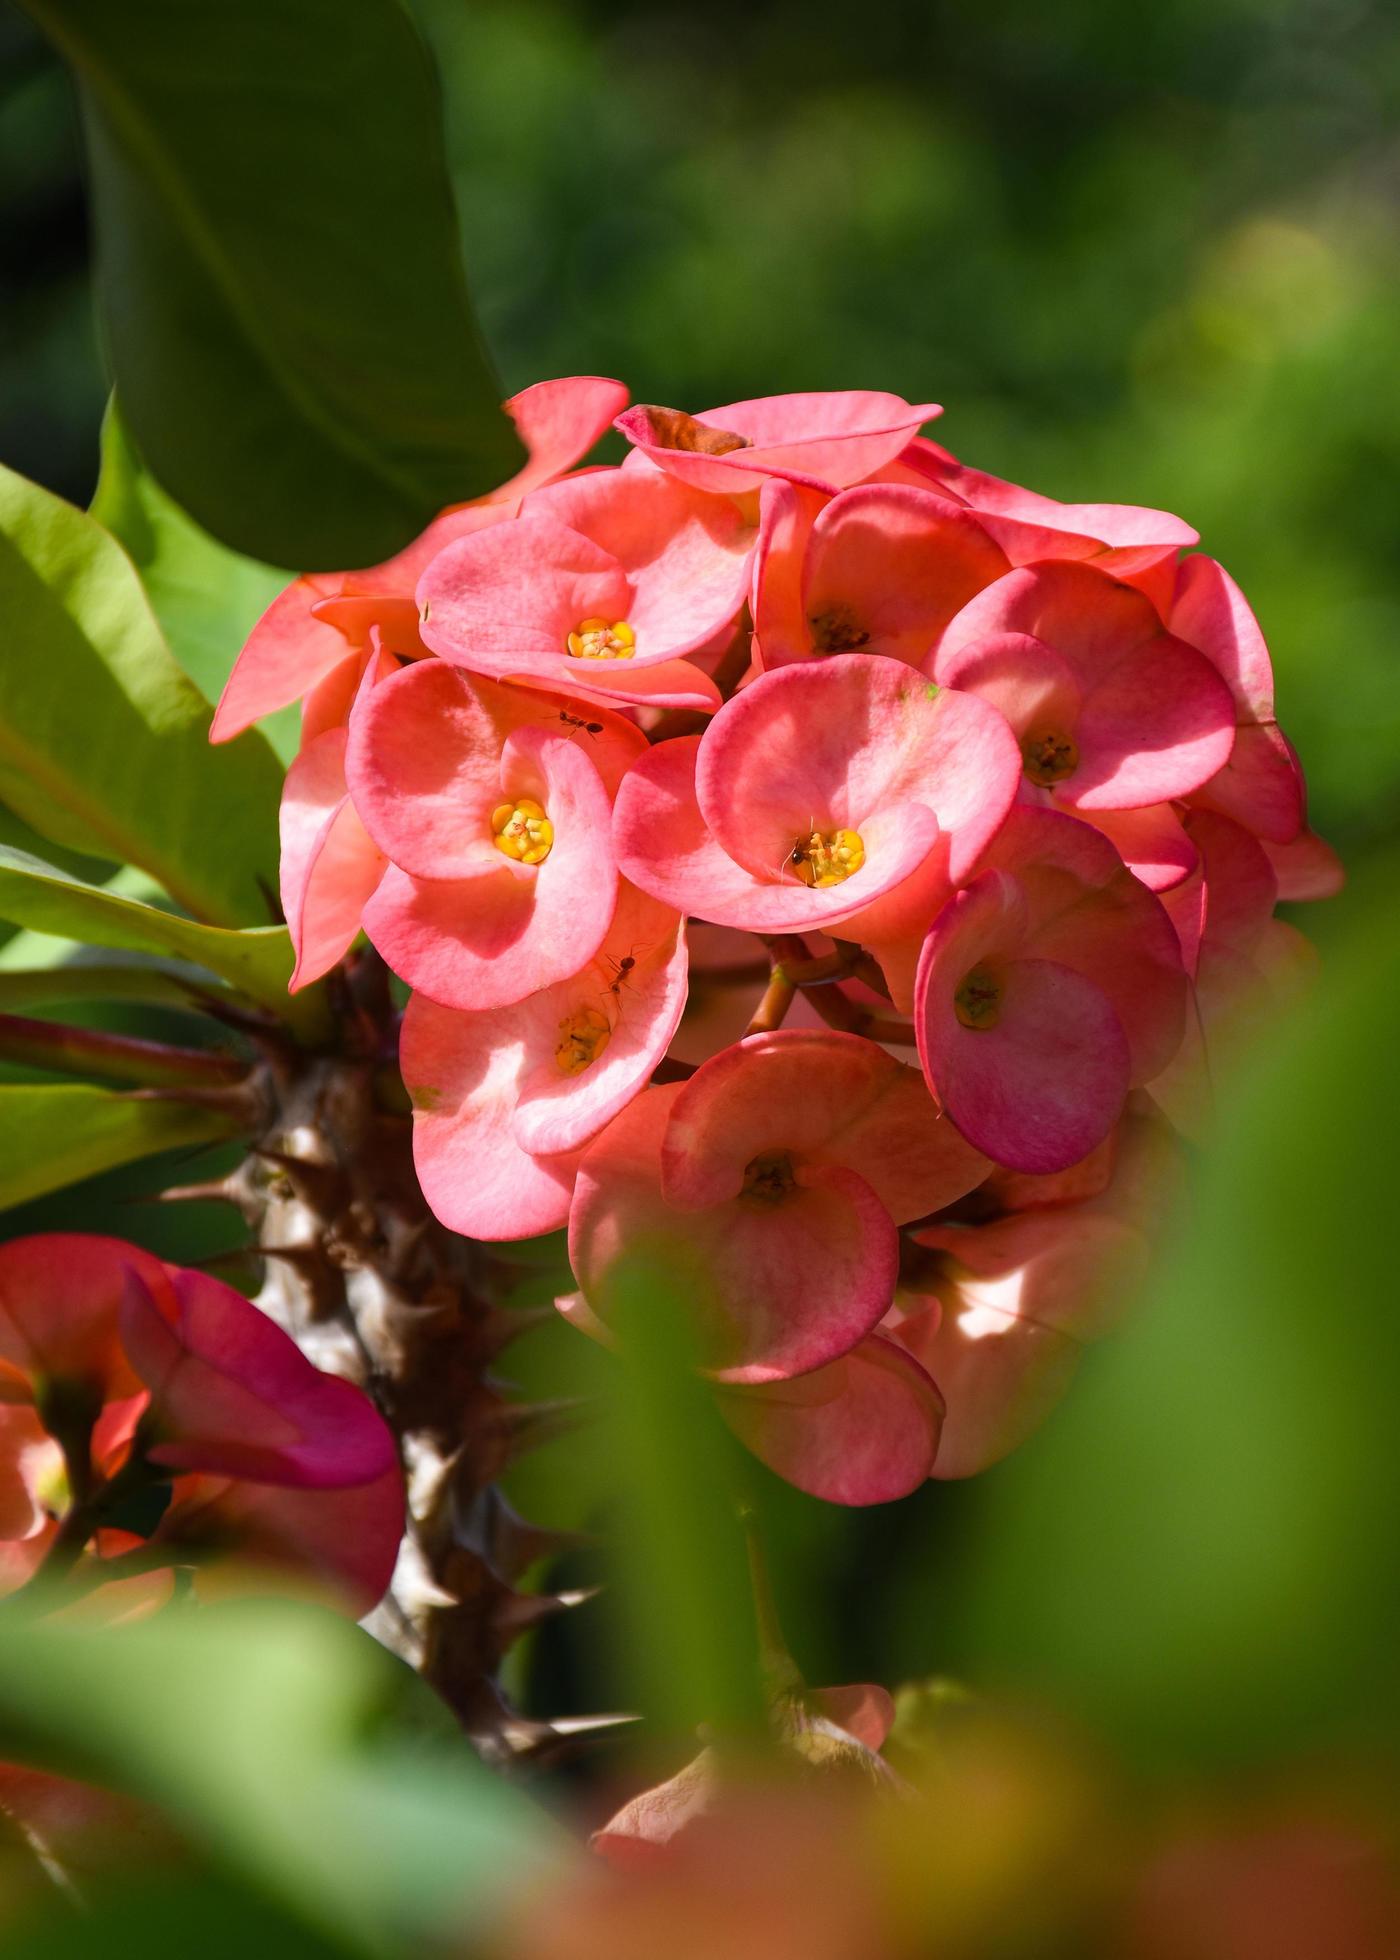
<point>940,768</point>
<point>160,1419</point>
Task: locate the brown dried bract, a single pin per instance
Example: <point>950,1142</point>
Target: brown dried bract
<point>672,428</point>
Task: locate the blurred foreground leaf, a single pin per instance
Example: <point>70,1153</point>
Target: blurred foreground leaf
<point>289,1748</point>
<point>279,271</point>
<point>207,598</point>
<point>1199,1552</point>
<point>103,739</point>
<point>53,1134</point>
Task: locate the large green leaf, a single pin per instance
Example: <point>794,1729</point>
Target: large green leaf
<point>103,739</point>
<point>55,1134</point>
<point>290,1747</point>
<point>279,270</point>
<point>206,597</point>
<point>256,960</point>
<point>1198,1553</point>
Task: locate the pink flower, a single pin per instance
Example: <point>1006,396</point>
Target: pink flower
<point>492,805</point>
<point>115,1364</point>
<point>1112,713</point>
<point>598,589</point>
<point>1046,989</point>
<point>772,1183</point>
<point>1000,1314</point>
<point>1122,539</point>
<point>828,439</point>
<point>815,792</point>
<point>504,1100</point>
<point>878,569</point>
<point>318,630</point>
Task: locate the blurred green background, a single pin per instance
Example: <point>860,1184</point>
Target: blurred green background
<point>1140,256</point>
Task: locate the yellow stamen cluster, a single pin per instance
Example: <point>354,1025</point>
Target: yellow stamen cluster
<point>977,1003</point>
<point>827,857</point>
<point>596,639</point>
<point>522,830</point>
<point>1049,758</point>
<point>582,1038</point>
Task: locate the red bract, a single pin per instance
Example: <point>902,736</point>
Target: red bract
<point>122,1374</point>
<point>319,630</point>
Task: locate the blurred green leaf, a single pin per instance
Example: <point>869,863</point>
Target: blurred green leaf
<point>1199,1551</point>
<point>279,270</point>
<point>82,981</point>
<point>257,960</point>
<point>103,740</point>
<point>207,598</point>
<point>286,1744</point>
<point>167,1918</point>
<point>53,1134</point>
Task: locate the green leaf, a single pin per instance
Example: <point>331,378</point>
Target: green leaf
<point>258,960</point>
<point>55,1134</point>
<point>103,740</point>
<point>84,981</point>
<point>288,1745</point>
<point>1196,1554</point>
<point>207,598</point>
<point>279,270</point>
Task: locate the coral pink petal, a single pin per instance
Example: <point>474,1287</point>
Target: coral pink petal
<point>686,555</point>
<point>830,439</point>
<point>621,684</point>
<point>463,1073</point>
<point>831,1099</point>
<point>1261,786</point>
<point>1151,842</point>
<point>492,939</point>
<point>787,512</point>
<point>287,652</point>
<point>559,422</point>
<point>1154,727</point>
<point>835,743</point>
<point>1306,868</point>
<point>349,1538</point>
<point>515,591</point>
<point>664,845</point>
<point>1210,612</point>
<point>888,567</point>
<point>774,1288</point>
<point>1090,619</point>
<point>330,864</point>
<point>863,1430</point>
<point>1046,1080</point>
<point>1000,1376</point>
<point>1024,679</point>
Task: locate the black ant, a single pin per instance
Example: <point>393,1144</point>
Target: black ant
<point>591,728</point>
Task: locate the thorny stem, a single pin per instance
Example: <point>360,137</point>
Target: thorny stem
<point>65,1050</point>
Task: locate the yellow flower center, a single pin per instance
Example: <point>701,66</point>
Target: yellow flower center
<point>1049,758</point>
<point>582,1038</point>
<point>977,1003</point>
<point>827,857</point>
<point>522,830</point>
<point>595,639</point>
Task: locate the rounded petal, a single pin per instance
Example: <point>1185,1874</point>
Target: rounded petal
<point>60,1303</point>
<point>1261,786</point>
<point>559,422</point>
<point>1000,1376</point>
<point>508,597</point>
<point>330,864</point>
<point>1043,1084</point>
<point>1306,867</point>
<point>286,653</point>
<point>664,845</point>
<point>863,1430</point>
<point>787,512</point>
<point>831,439</point>
<point>831,1099</point>
<point>463,1074</point>
<point>1154,727</point>
<point>775,1288</point>
<point>1152,843</point>
<point>1210,612</point>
